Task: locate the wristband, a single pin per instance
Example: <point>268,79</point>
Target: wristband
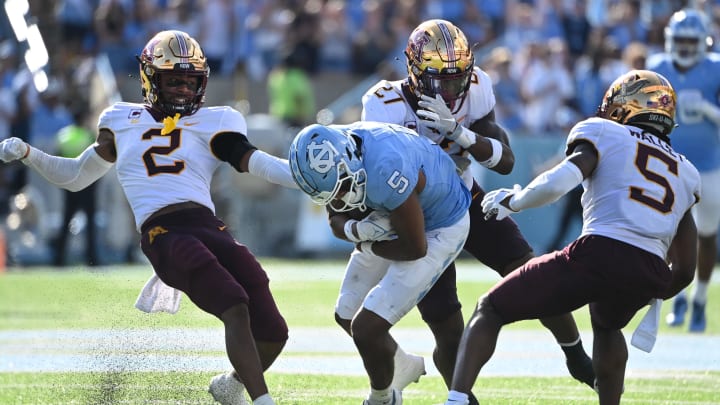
<point>348,231</point>
<point>466,138</point>
<point>366,247</point>
<point>494,159</point>
<point>27,152</point>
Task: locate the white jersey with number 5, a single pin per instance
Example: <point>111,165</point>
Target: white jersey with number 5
<point>157,170</point>
<point>640,189</point>
<point>386,102</point>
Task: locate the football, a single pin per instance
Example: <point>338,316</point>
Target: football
<point>358,215</point>
<point>353,214</point>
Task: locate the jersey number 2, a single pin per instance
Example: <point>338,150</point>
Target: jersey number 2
<point>642,159</point>
<point>149,156</point>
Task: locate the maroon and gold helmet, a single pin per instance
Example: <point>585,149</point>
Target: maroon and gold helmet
<point>172,52</point>
<point>641,98</point>
<point>439,61</point>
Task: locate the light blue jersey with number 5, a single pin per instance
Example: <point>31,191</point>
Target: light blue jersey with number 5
<point>393,157</point>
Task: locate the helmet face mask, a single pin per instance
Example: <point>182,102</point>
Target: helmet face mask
<point>326,165</point>
<point>687,37</point>
<point>641,98</point>
<point>439,61</point>
<point>176,54</point>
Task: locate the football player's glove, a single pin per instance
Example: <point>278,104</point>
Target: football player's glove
<point>12,149</point>
<point>376,226</point>
<point>436,115</point>
<point>492,203</point>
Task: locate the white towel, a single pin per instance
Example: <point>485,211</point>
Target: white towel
<point>157,296</point>
<point>646,332</point>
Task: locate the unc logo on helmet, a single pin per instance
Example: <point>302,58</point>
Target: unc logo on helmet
<point>325,162</point>
<point>322,156</point>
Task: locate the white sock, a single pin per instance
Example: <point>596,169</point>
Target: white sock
<point>700,292</point>
<point>264,399</point>
<point>383,396</point>
<point>455,397</point>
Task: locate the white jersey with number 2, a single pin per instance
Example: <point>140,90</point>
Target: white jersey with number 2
<point>158,170</point>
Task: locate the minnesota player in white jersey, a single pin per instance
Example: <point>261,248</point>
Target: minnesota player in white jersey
<point>449,100</point>
<point>695,75</point>
<point>165,152</point>
<point>637,201</point>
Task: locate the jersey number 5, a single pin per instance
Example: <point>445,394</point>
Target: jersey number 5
<point>149,156</point>
<point>643,157</point>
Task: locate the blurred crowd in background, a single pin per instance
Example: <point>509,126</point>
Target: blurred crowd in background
<point>551,61</point>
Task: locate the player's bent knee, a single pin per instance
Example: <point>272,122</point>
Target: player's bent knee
<point>367,326</point>
<point>344,323</point>
<point>236,313</point>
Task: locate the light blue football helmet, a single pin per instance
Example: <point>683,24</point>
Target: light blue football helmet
<point>324,161</point>
<point>687,37</point>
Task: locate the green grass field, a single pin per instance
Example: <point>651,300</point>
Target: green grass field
<point>51,299</point>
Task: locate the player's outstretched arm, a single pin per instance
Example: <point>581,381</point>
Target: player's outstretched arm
<point>547,187</point>
<point>73,174</point>
<point>236,149</point>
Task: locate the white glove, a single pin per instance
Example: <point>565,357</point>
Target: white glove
<point>376,226</point>
<point>437,116</point>
<point>491,203</point>
<point>12,149</point>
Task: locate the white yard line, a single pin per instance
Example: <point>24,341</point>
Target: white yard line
<point>316,351</point>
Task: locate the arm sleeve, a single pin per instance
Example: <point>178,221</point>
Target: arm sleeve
<point>72,174</point>
<point>271,168</point>
<point>547,187</point>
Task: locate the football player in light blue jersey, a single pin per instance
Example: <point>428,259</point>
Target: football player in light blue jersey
<point>417,225</point>
<point>695,74</point>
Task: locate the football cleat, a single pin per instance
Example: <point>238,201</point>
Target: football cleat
<point>697,318</point>
<point>408,369</point>
<point>227,390</point>
<point>677,316</point>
